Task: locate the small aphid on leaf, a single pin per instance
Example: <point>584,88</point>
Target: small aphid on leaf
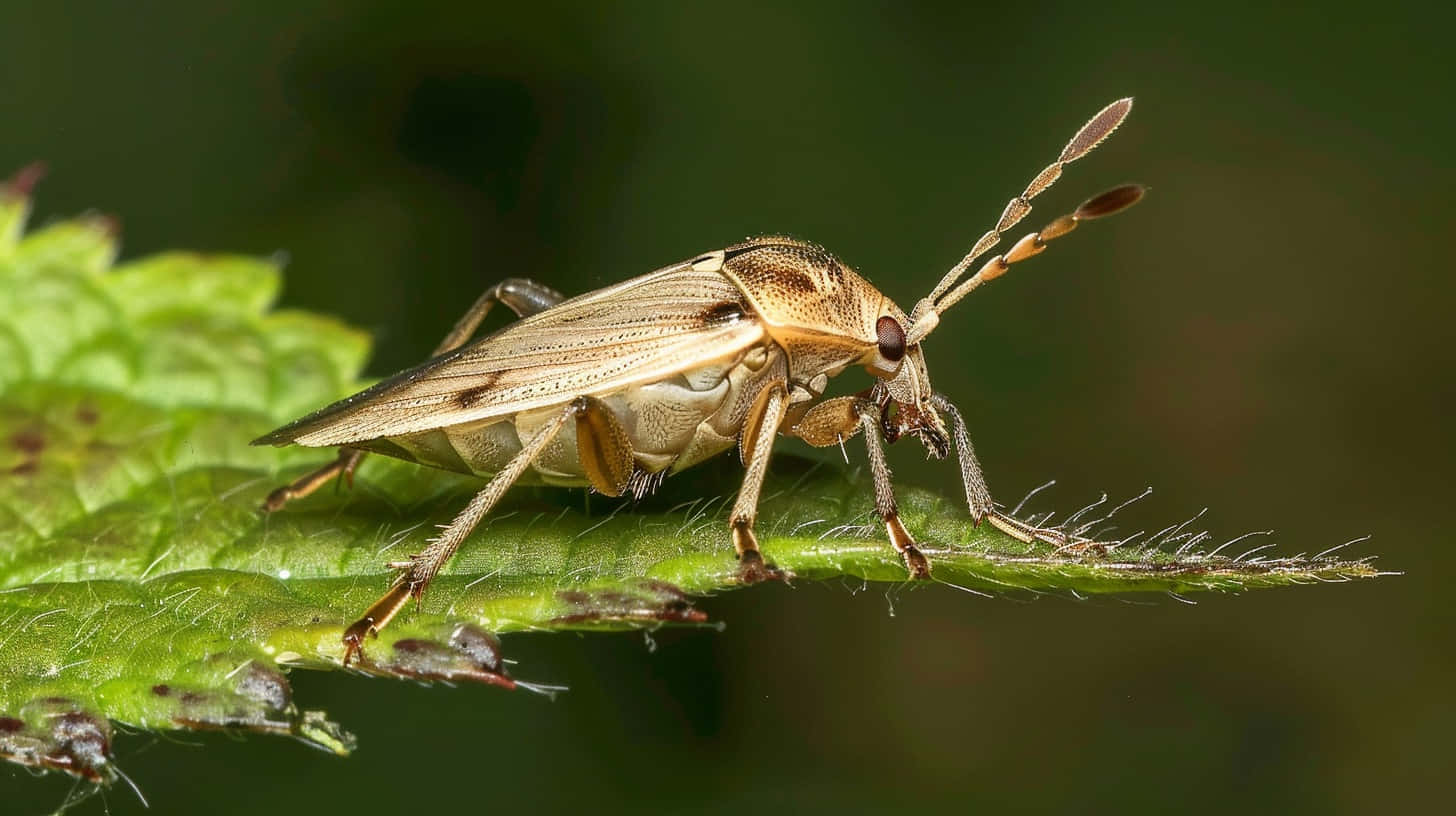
<point>617,388</point>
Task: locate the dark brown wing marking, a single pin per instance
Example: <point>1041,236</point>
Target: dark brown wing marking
<point>639,331</point>
<point>721,314</point>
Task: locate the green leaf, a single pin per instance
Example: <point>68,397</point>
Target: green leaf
<point>139,584</point>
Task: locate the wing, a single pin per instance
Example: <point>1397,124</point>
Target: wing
<point>639,331</point>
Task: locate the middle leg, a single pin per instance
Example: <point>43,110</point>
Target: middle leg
<point>755,446</point>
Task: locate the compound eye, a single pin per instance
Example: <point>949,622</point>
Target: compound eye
<point>891,337</point>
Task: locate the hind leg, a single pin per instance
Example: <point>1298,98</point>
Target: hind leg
<point>524,297</point>
<point>342,467</point>
<point>606,455</point>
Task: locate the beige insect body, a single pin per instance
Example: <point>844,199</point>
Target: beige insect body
<point>666,352</point>
<point>618,388</point>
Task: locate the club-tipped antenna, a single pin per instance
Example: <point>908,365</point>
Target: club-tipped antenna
<point>1034,243</point>
<point>946,293</point>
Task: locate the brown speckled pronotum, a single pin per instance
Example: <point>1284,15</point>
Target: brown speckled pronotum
<point>618,388</point>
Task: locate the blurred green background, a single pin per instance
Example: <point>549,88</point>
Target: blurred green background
<point>1269,335</point>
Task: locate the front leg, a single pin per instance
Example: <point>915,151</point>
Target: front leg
<point>889,511</point>
<point>978,496</point>
<point>833,421</point>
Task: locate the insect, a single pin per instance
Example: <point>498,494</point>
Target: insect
<point>618,388</point>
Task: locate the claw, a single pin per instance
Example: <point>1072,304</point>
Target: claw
<point>342,467</point>
<point>354,638</point>
<point>376,617</point>
<point>901,540</point>
<point>277,499</point>
<point>916,563</point>
<point>753,570</point>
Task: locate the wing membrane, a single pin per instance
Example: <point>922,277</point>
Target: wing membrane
<point>635,332</point>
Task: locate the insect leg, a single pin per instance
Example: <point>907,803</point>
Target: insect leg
<point>833,421</point>
<point>885,506</point>
<point>342,467</point>
<point>524,297</point>
<point>762,426</point>
<point>829,423</point>
<point>978,496</point>
<point>415,575</point>
<point>603,447</point>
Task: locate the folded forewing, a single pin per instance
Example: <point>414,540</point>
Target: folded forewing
<point>635,332</point>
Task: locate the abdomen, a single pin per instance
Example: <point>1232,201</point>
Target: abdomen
<point>673,423</point>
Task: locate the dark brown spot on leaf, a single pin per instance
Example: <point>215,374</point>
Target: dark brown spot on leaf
<point>9,725</point>
<point>162,690</point>
<point>28,441</point>
<point>87,415</point>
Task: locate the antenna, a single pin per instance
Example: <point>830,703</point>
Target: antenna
<point>927,311</point>
<point>1034,243</point>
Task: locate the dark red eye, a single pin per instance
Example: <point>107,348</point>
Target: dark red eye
<point>891,338</point>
